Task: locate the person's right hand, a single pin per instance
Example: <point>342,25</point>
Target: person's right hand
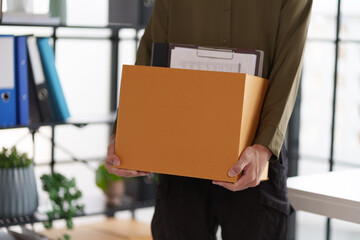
<point>112,160</point>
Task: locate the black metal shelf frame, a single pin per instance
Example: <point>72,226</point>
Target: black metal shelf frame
<point>109,212</point>
<point>34,127</point>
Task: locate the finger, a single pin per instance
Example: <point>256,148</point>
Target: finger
<point>255,181</point>
<point>108,166</point>
<point>250,185</point>
<point>123,172</point>
<point>111,148</point>
<point>248,179</point>
<point>113,160</point>
<point>227,185</point>
<point>238,167</point>
<point>110,163</point>
<point>239,185</point>
<point>244,160</point>
<point>127,173</point>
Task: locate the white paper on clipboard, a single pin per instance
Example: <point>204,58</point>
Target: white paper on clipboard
<point>208,59</point>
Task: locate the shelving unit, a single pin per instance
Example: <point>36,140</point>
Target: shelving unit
<point>129,203</point>
<point>109,212</point>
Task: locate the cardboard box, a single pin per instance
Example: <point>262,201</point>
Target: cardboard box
<point>186,122</point>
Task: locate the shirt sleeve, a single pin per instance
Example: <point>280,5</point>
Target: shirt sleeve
<point>284,75</point>
<point>156,31</point>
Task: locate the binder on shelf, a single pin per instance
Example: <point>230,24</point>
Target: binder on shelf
<point>57,98</point>
<point>7,81</point>
<point>34,108</point>
<point>22,91</point>
<point>40,107</point>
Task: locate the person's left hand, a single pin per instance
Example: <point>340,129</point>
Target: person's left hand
<point>250,165</point>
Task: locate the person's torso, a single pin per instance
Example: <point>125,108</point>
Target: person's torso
<point>246,24</point>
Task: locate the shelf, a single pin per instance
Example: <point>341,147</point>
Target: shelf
<point>79,122</point>
<point>72,26</point>
<point>93,205</point>
<point>17,221</point>
<point>128,204</point>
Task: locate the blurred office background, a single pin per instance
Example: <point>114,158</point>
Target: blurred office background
<point>329,131</point>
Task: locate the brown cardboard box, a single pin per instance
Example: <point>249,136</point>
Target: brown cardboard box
<point>186,122</point>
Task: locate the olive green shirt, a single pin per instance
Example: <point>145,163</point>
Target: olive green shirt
<point>278,27</point>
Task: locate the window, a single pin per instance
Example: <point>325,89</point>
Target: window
<point>322,67</point>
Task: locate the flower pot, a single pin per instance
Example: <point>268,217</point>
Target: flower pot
<point>115,193</point>
<point>18,192</point>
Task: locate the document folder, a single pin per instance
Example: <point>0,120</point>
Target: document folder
<point>58,102</point>
<point>7,82</point>
<point>22,80</point>
<point>39,96</point>
<point>160,53</point>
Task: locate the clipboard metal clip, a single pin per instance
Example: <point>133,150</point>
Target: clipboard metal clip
<point>204,52</point>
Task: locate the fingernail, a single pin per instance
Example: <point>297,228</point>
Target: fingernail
<point>232,173</point>
<point>116,162</point>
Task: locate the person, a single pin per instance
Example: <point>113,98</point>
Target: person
<point>188,208</point>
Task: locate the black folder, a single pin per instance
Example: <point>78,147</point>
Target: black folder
<point>160,55</point>
<point>39,97</point>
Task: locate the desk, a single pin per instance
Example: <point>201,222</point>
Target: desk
<point>111,229</point>
<point>333,194</point>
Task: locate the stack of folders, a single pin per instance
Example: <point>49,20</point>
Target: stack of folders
<point>208,58</point>
<point>30,88</point>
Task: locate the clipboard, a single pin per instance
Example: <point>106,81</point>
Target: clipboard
<point>216,59</point>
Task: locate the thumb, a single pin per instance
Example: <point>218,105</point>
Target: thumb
<point>236,169</point>
<point>239,166</point>
<point>244,160</point>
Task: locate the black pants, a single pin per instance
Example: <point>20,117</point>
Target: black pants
<point>188,208</point>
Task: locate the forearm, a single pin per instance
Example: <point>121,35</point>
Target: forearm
<point>284,75</point>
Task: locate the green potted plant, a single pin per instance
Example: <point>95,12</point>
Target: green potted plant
<point>112,186</point>
<point>18,192</point>
<point>64,196</point>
